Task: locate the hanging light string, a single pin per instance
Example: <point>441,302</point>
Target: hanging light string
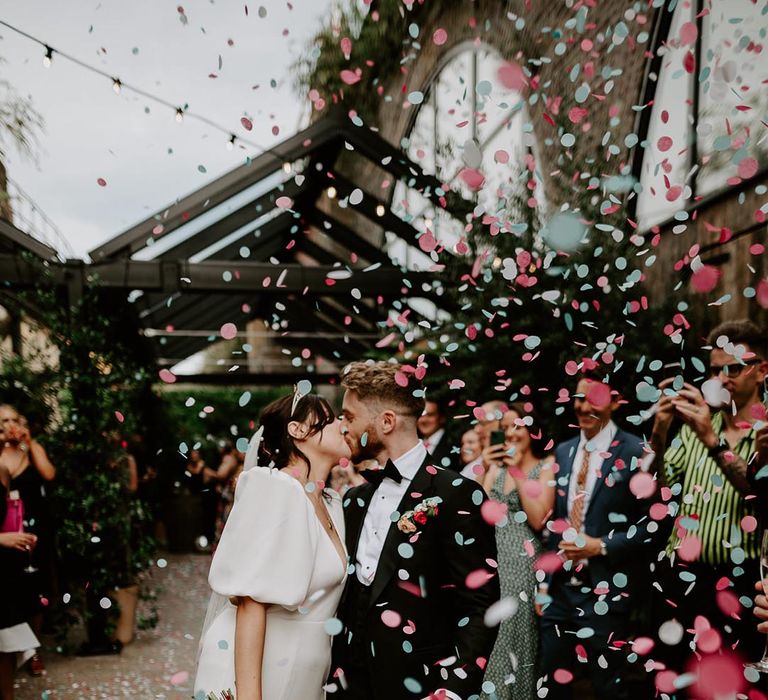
<point>118,85</point>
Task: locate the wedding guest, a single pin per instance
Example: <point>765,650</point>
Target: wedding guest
<point>706,463</point>
<point>431,427</point>
<point>224,479</point>
<point>17,641</point>
<point>599,527</point>
<point>471,449</point>
<point>30,469</point>
<point>521,479</point>
<point>761,605</point>
<point>491,413</point>
<point>346,477</point>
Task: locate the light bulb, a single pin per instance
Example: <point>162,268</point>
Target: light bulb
<point>179,115</point>
<point>287,168</point>
<point>231,142</point>
<point>380,210</point>
<point>331,192</point>
<point>116,85</point>
<point>48,58</point>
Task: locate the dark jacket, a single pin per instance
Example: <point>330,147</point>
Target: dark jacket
<point>442,613</point>
<point>615,515</point>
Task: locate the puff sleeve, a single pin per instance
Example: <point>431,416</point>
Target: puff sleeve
<point>267,549</point>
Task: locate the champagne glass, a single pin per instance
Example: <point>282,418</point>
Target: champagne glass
<point>762,665</point>
<point>29,569</point>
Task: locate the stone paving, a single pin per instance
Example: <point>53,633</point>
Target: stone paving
<point>158,664</point>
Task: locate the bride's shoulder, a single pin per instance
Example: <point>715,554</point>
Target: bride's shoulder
<point>268,481</point>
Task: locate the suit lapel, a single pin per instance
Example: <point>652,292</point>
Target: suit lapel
<point>415,493</point>
<point>355,515</point>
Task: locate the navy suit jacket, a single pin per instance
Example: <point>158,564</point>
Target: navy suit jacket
<point>614,514</point>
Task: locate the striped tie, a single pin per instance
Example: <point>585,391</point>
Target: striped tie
<point>577,507</point>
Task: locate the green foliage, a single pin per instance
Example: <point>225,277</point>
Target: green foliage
<point>379,45</point>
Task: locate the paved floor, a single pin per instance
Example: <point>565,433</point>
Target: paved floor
<point>158,664</point>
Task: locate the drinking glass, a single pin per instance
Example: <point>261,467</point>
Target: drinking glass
<point>762,665</point>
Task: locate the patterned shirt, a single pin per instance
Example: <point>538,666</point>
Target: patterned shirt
<point>710,508</point>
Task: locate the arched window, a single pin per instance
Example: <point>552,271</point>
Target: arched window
<point>707,129</point>
<point>471,124</point>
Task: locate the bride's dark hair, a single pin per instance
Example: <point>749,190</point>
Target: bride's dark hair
<point>277,447</point>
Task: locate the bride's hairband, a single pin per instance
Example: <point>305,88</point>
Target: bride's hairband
<point>300,390</point>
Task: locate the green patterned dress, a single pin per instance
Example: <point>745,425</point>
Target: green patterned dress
<point>511,672</point>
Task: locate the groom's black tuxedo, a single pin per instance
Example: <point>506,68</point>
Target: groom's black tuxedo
<point>440,617</point>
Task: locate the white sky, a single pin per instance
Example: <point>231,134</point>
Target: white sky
<point>148,160</point>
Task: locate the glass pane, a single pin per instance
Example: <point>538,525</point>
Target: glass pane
<point>667,157</point>
<point>733,97</point>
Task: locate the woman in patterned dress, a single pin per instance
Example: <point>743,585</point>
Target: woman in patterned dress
<point>519,475</point>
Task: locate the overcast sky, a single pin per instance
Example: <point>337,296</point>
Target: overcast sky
<point>145,156</point>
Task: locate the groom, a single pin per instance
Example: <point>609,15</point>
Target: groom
<point>423,558</point>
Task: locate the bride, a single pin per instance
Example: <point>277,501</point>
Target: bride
<point>279,569</point>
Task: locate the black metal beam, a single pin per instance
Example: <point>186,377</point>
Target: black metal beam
<point>16,239</point>
<point>272,239</point>
<point>298,146</point>
<point>347,237</point>
<point>233,221</point>
<point>258,379</point>
<point>216,276</point>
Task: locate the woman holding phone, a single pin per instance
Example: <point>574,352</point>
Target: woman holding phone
<point>520,478</point>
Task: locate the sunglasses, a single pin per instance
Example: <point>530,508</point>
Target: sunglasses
<point>732,370</point>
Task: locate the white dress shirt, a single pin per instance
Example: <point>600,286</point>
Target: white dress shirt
<point>596,446</point>
<point>433,440</point>
<point>377,520</point>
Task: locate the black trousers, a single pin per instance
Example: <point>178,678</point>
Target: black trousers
<point>572,610</point>
<point>355,681</point>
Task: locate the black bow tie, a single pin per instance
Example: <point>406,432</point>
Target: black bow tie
<point>376,476</point>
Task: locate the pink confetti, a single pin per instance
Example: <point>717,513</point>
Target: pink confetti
<point>473,178</point>
<point>501,156</point>
<point>440,37</point>
<point>690,548</point>
<point>247,123</point>
<point>427,242</point>
<point>598,394</point>
<point>705,279</point>
<point>749,523</point>
<point>719,675</point>
<point>120,417</point>
<point>350,77</point>
<point>688,33</point>
<point>386,340</point>
<point>549,563</point>
<point>642,645</point>
<point>563,676</point>
<point>179,678</point>
<point>167,376</point>
<point>390,618</point>
<point>101,182</point>
<point>228,331</point>
<point>642,485</point>
<point>493,512</point>
<point>762,293</point>
<point>728,602</point>
<point>477,579</point>
<point>747,168</point>
<point>401,379</point>
<point>664,143</point>
<point>709,641</point>
<point>512,77</point>
<point>689,62</point>
<point>284,202</point>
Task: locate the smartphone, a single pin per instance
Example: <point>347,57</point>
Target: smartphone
<point>497,437</point>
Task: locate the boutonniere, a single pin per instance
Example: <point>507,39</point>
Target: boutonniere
<point>225,695</point>
<point>410,520</point>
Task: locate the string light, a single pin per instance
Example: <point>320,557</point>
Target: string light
<point>287,168</point>
<point>118,86</point>
<point>231,142</point>
<point>331,192</point>
<point>379,210</point>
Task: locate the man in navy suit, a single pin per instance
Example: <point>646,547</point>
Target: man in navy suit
<point>600,530</point>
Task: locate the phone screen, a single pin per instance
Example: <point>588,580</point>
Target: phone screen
<point>497,437</point>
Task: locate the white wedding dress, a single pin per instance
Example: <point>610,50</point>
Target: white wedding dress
<point>275,550</point>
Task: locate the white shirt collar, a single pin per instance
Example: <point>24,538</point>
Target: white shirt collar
<point>602,441</point>
<point>408,464</point>
<point>434,439</point>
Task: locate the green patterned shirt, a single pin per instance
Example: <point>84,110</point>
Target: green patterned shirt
<point>710,508</point>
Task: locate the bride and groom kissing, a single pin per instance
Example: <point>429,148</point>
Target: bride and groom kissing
<point>381,593</point>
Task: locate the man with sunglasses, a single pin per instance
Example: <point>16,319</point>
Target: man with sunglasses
<point>707,577</point>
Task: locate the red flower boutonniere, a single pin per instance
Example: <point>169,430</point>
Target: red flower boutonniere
<point>409,521</point>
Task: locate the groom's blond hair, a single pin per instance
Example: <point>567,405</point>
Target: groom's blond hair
<point>375,382</point>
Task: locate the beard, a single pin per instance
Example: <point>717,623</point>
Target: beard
<point>370,450</point>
